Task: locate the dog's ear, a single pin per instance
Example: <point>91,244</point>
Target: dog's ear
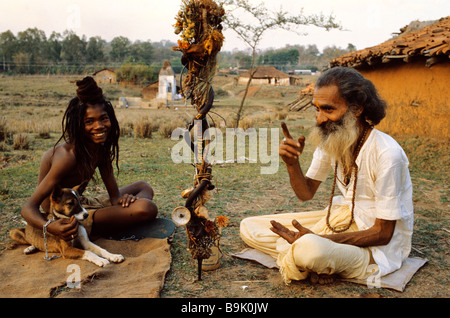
<point>81,187</point>
<point>57,192</point>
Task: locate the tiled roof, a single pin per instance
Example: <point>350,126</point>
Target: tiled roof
<point>432,42</point>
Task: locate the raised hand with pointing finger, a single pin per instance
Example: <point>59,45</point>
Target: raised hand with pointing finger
<point>290,149</point>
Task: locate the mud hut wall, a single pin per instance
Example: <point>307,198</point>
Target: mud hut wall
<point>150,92</point>
<point>266,81</point>
<point>418,98</point>
<point>106,76</point>
<point>255,81</point>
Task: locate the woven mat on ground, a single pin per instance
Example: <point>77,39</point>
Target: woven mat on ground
<point>141,275</point>
<point>396,280</point>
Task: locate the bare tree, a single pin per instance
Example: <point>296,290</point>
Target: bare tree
<point>262,20</point>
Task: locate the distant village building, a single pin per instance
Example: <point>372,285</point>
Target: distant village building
<point>303,72</point>
<point>167,83</point>
<point>150,91</point>
<point>157,94</point>
<point>268,75</point>
<point>105,75</point>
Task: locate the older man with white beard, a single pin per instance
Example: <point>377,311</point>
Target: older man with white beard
<point>368,227</point>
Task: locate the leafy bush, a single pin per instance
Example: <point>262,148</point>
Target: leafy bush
<point>138,73</point>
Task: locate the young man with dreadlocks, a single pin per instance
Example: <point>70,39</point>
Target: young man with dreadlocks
<point>365,231</point>
<point>91,135</point>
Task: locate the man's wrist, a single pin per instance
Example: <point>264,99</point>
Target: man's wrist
<point>294,167</point>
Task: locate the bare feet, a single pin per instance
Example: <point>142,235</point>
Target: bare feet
<point>321,279</point>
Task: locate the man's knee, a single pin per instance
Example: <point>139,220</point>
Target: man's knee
<point>310,249</point>
<point>145,210</point>
<point>144,187</point>
<point>245,228</point>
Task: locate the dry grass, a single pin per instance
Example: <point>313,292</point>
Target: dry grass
<point>21,142</point>
<point>143,128</point>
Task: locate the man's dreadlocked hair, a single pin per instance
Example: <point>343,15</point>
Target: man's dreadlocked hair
<point>88,92</point>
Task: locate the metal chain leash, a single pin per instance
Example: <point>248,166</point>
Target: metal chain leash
<point>44,230</point>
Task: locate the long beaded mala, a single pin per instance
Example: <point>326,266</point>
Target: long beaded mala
<point>355,169</point>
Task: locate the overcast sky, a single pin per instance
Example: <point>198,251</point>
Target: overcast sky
<point>365,22</point>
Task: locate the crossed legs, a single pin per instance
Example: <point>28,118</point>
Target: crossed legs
<point>111,219</point>
<point>311,255</point>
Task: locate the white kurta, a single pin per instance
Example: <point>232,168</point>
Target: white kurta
<point>384,191</point>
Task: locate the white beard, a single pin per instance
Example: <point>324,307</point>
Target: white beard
<point>338,139</point>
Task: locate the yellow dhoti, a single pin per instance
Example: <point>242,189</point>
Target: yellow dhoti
<point>311,252</point>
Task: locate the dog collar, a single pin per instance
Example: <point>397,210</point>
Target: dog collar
<point>60,216</point>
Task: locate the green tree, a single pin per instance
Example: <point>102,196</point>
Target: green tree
<point>95,49</point>
<point>8,47</point>
<point>32,42</point>
<point>54,47</point>
<point>120,48</point>
<point>22,62</point>
<point>242,60</point>
<point>279,58</point>
<point>162,51</point>
<point>136,72</point>
<point>310,55</point>
<point>142,52</point>
<point>292,56</point>
<point>329,53</point>
<point>73,50</point>
<point>351,47</point>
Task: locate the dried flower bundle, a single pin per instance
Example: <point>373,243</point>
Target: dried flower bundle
<point>199,25</point>
<point>204,234</point>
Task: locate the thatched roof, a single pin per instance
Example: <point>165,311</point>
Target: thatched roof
<point>266,72</point>
<point>431,42</point>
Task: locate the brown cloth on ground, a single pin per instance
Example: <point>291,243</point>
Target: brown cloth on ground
<point>141,275</point>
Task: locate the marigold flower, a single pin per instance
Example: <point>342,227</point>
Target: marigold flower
<point>183,45</point>
<point>222,221</point>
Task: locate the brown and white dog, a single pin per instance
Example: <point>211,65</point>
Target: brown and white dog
<point>65,203</point>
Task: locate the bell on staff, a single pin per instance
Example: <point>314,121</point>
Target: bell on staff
<point>181,215</point>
